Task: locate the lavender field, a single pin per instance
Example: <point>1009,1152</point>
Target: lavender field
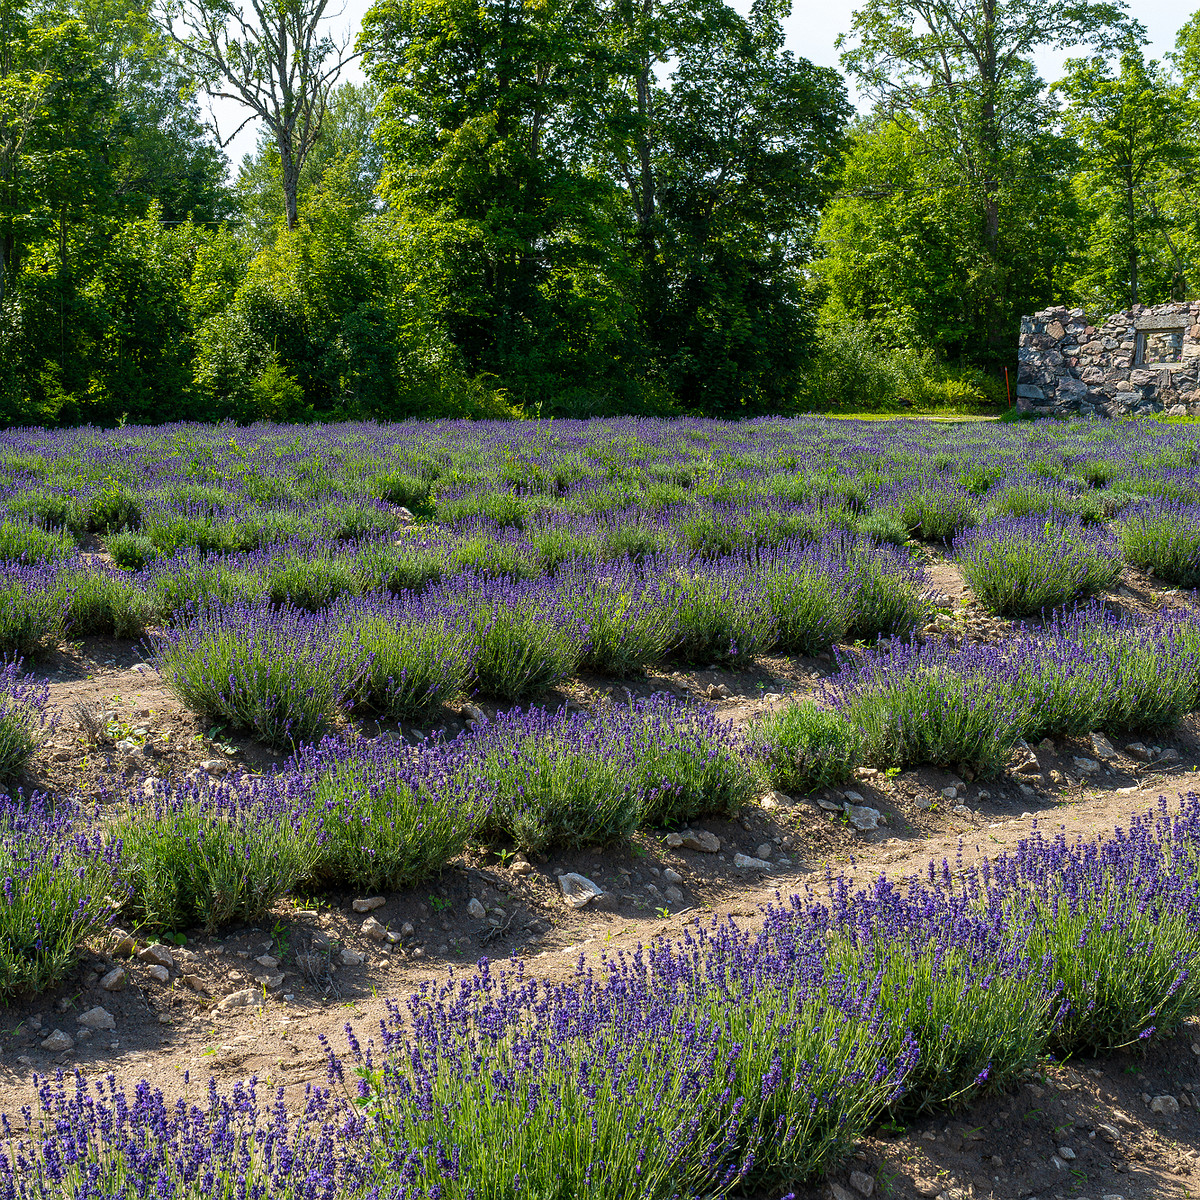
<point>338,596</point>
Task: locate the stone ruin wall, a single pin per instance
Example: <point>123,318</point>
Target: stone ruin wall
<point>1139,361</point>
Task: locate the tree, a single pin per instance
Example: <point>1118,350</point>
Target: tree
<point>1132,130</point>
<point>955,74</point>
<point>346,142</point>
<point>270,56</point>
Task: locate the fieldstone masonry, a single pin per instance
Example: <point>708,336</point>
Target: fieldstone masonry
<point>1142,360</point>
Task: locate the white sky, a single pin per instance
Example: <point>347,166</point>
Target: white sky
<point>811,29</point>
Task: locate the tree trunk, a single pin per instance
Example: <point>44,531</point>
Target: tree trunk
<point>290,170</point>
<point>1131,216</point>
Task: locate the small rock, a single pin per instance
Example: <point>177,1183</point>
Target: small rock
<point>114,981</point>
<point>160,973</point>
<point>771,697</point>
<point>1047,745</point>
<point>1057,778</point>
<point>351,958</point>
<point>1026,790</point>
<point>214,766</point>
<point>1058,1163</point>
<point>862,1183</point>
<point>837,1192</point>
<point>670,875</point>
<point>407,929</point>
<point>58,1042</point>
<point>195,983</point>
<point>1086,766</point>
<point>1030,766</point>
<point>272,982</point>
<point>393,937</point>
<point>717,691</point>
<point>578,890</point>
<point>267,960</point>
<point>673,895</point>
<point>829,805</point>
<point>370,904</point>
<point>97,1018</point>
<point>673,841</point>
<point>1167,756</point>
<point>156,954</point>
<point>862,818</point>
<point>476,910</point>
<point>522,868</point>
<point>1139,751</point>
<point>926,1187</point>
<point>1102,748</point>
<point>1067,1153</point>
<point>1167,1106</point>
<point>1110,1133</point>
<point>961,810</point>
<point>701,840</point>
<point>746,863</point>
<point>474,713</point>
<point>242,999</point>
<point>765,851</point>
<point>372,929</point>
<point>853,797</point>
<point>775,800</point>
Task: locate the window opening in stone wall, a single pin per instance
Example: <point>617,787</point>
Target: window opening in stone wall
<point>1159,346</point>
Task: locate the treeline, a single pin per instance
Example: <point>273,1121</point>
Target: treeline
<point>575,207</point>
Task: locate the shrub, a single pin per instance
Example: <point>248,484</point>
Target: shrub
<point>886,594</point>
<point>590,778</point>
<point>805,590</point>
<point>312,584</point>
<point>50,510</point>
<point>522,637</point>
<point>933,512</point>
<point>22,716</point>
<point>1165,541</point>
<point>803,747</point>
<point>721,615</point>
<point>1021,566</point>
<point>926,704</point>
<point>32,611</point>
<point>22,543</point>
<point>630,622</point>
<point>102,604</point>
<point>389,819</point>
<point>403,489</point>
<point>413,660</point>
<point>56,883</point>
<point>212,854</point>
<point>112,509</point>
<point>282,674</point>
<point>411,566</point>
<point>130,551</point>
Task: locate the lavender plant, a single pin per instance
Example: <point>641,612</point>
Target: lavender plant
<point>802,747</point>
<point>281,673</point>
<point>1165,540</point>
<point>213,853</point>
<point>387,818</point>
<point>22,716</point>
<point>1021,566</point>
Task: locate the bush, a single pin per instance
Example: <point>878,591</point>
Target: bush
<point>283,674</point>
<point>22,543</point>
<point>805,588</point>
<point>721,615</point>
<point>1021,566</point>
<point>413,660</point>
<point>56,881</point>
<point>522,636</point>
<point>32,610</point>
<point>112,509</point>
<point>919,705</point>
<point>22,717</point>
<point>130,551</point>
<point>803,747</point>
<point>102,604</point>
<point>1165,541</point>
<point>401,488</point>
<point>630,622</point>
<point>390,820</point>
<point>312,584</point>
<point>591,778</point>
<point>887,595</point>
<point>932,512</point>
<point>212,854</point>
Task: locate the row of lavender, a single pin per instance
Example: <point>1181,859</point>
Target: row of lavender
<point>725,1062</point>
<point>361,814</point>
<point>522,499</point>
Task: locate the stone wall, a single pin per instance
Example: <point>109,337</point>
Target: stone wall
<point>1142,360</point>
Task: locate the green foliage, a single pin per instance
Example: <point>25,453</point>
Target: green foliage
<point>190,860</point>
<point>31,618</point>
<point>24,543</point>
<point>803,747</point>
<point>102,605</point>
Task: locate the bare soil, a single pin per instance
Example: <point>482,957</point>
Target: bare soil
<point>1011,1145</point>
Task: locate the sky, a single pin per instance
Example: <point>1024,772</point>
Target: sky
<point>812,31</point>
